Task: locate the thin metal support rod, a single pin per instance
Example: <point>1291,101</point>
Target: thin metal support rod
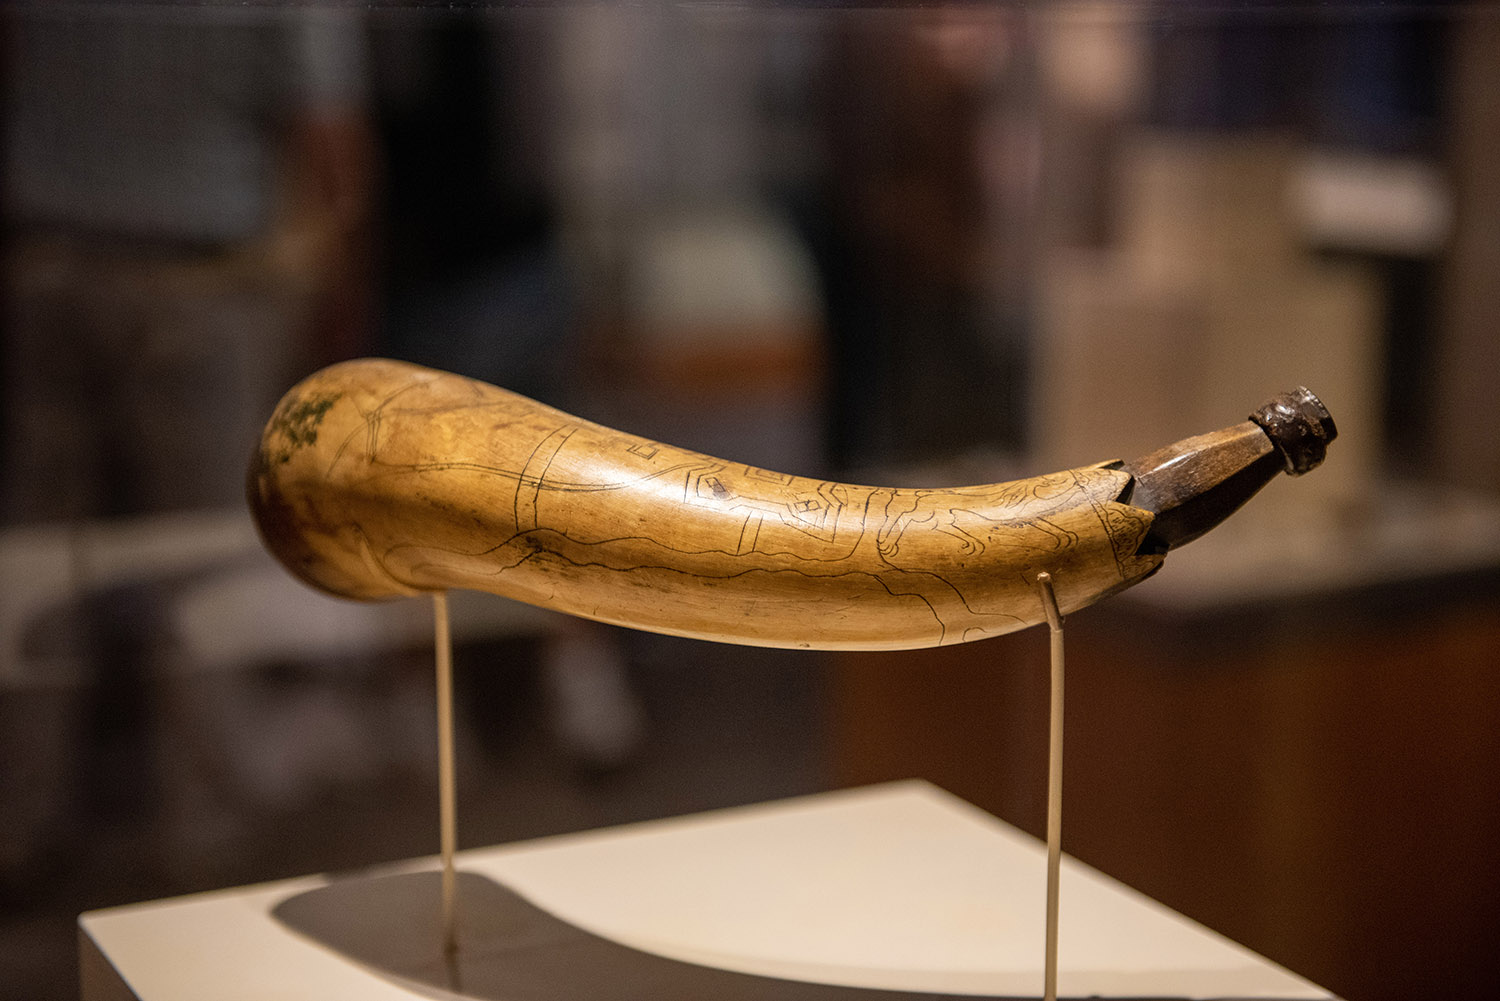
<point>1054,783</point>
<point>447,786</point>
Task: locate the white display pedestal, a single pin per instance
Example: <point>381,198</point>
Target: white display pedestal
<point>899,887</point>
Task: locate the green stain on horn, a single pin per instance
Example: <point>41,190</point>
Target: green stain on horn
<point>297,424</point>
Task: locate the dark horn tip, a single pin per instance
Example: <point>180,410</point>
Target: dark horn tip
<point>1300,427</point>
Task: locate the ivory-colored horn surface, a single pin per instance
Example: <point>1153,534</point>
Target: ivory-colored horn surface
<point>376,479</point>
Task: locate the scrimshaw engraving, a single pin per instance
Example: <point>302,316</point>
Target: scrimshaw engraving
<point>417,480</point>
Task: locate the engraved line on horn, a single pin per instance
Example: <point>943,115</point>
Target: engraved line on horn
<point>534,472</point>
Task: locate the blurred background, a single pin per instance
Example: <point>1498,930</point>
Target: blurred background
<point>894,244</point>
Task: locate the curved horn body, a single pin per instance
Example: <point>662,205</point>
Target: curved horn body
<point>378,478</point>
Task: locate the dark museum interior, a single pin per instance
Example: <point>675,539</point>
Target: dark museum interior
<point>915,244</point>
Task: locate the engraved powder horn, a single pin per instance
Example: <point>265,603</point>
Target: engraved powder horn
<point>376,478</point>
